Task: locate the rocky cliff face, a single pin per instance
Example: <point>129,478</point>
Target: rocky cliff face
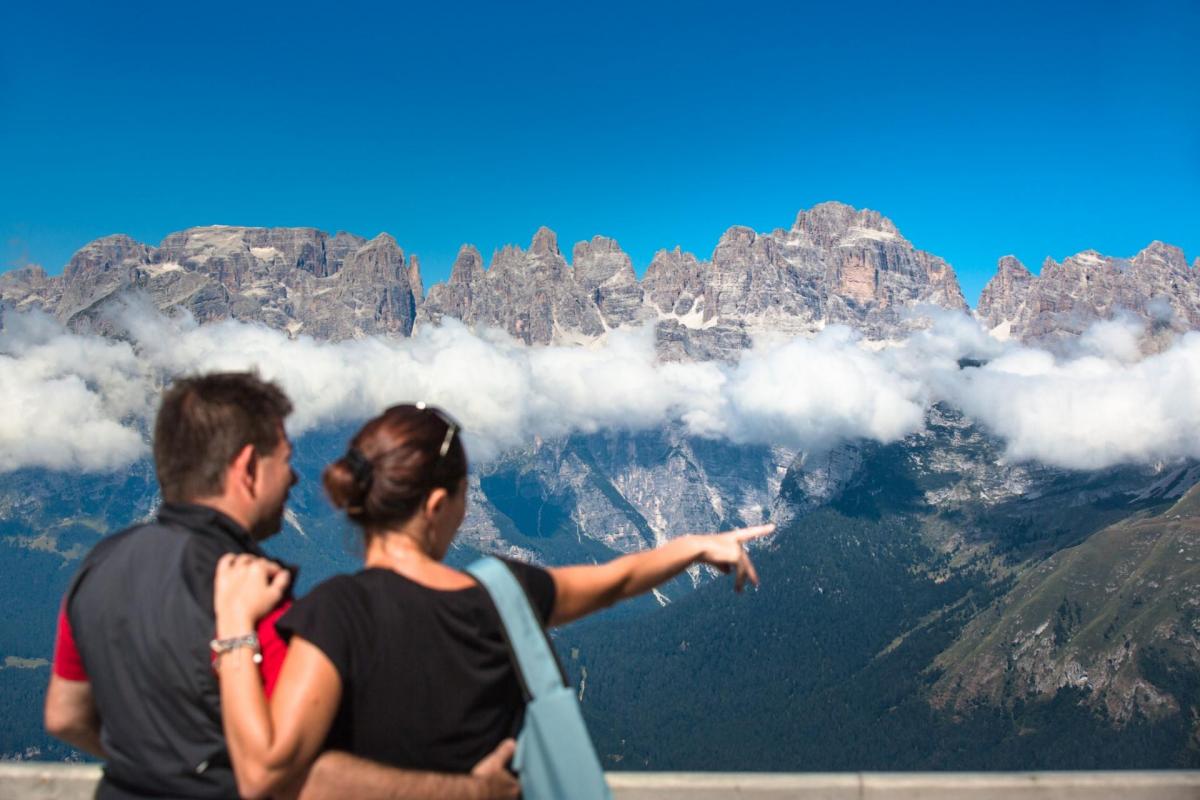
<point>835,265</point>
<point>1061,301</point>
<point>532,294</point>
<point>296,279</point>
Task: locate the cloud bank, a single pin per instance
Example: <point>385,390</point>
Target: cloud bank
<point>83,402</point>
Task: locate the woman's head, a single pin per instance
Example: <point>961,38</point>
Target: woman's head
<point>406,462</point>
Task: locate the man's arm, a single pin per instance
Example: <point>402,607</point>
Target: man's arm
<point>337,775</point>
<point>71,715</point>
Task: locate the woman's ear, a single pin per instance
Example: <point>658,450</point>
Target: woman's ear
<point>435,502</point>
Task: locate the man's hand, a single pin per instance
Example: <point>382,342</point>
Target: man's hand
<point>336,776</point>
<point>499,783</point>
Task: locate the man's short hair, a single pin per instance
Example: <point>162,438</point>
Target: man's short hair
<point>203,423</point>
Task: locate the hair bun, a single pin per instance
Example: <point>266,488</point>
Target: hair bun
<point>360,467</point>
<point>345,488</point>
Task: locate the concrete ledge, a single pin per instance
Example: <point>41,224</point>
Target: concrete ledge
<point>46,781</point>
<point>1179,785</point>
<point>39,780</point>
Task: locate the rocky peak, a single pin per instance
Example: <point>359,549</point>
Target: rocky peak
<point>380,258</point>
<point>468,266</point>
<point>375,286</point>
<point>1002,296</point>
<point>601,261</point>
<point>456,297</point>
<point>1090,261</point>
<point>1010,268</point>
<point>737,236</point>
<point>414,278</point>
<point>241,257</point>
<point>383,240</point>
<point>530,294</point>
<point>668,262</point>
<point>99,269</point>
<point>673,281</point>
<point>545,242</point>
<point>1161,256</point>
<point>103,255</point>
<point>1066,298</point>
<point>29,287</point>
<point>605,272</point>
<point>542,262</point>
<point>30,275</point>
<point>337,250</point>
<point>825,224</point>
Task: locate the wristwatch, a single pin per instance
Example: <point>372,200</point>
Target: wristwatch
<point>222,646</point>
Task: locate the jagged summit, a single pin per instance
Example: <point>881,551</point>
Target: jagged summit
<point>384,240</point>
<point>1011,265</point>
<point>545,242</point>
<point>828,223</point>
<point>836,265</point>
<point>295,279</point>
<point>468,265</point>
<point>1065,298</point>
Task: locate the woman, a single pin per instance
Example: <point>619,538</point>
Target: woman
<point>405,661</point>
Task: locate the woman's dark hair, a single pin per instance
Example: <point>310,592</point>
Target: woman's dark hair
<point>393,464</point>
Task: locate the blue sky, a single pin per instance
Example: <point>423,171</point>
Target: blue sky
<point>980,129</point>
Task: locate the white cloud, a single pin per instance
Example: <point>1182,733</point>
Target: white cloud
<point>72,401</point>
<point>68,402</point>
<point>1091,411</point>
<point>813,393</point>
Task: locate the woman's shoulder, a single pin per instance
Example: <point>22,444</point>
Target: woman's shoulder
<point>524,570</point>
<point>538,584</point>
<point>339,590</point>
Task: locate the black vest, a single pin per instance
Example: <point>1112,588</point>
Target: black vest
<point>141,610</point>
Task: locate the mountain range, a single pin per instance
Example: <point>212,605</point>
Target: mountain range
<point>930,584</point>
<point>835,265</point>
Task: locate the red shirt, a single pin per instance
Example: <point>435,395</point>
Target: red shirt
<point>68,664</point>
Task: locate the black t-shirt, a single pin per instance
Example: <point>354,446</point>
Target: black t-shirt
<point>426,678</point>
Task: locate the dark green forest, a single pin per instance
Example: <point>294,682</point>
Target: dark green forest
<point>807,673</point>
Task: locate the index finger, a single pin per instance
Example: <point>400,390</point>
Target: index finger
<point>751,572</point>
<point>754,532</point>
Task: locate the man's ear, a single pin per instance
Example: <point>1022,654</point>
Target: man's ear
<point>243,471</point>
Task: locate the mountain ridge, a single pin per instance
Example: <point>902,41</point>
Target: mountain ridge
<point>835,265</point>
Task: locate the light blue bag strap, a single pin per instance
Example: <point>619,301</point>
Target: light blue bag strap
<point>526,638</point>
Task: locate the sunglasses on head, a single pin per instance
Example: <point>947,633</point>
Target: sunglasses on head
<point>452,427</point>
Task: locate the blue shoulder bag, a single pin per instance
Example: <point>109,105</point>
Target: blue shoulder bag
<point>555,758</point>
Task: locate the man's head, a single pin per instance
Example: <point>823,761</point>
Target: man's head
<point>219,440</point>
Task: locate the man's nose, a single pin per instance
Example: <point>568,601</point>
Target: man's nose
<point>295,478</point>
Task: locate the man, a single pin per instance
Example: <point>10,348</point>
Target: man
<point>132,681</point>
